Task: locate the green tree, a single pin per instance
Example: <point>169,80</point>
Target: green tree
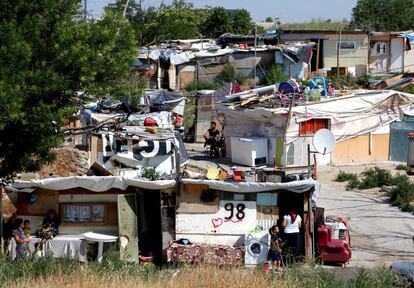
<point>178,20</point>
<point>383,15</point>
<point>269,19</point>
<point>218,23</point>
<point>49,54</point>
<point>242,22</point>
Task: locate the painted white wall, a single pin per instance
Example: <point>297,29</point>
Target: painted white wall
<point>409,59</point>
<point>297,153</point>
<point>215,228</point>
<point>348,58</point>
<point>397,55</point>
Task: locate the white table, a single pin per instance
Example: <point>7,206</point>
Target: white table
<point>100,239</point>
<point>62,246</point>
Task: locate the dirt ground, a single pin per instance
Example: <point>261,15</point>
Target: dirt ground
<point>380,233</point>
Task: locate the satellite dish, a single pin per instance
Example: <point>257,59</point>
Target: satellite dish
<point>324,141</point>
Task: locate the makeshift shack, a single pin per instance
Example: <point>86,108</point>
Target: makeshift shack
<point>352,54</point>
<point>360,122</point>
<point>141,211</point>
<point>225,213</point>
<point>128,144</point>
<point>391,52</point>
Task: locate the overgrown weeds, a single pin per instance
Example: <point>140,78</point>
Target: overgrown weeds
<point>401,167</point>
<point>351,178</point>
<point>401,194</point>
<point>275,74</point>
<point>375,177</point>
<point>112,272</point>
<point>343,176</point>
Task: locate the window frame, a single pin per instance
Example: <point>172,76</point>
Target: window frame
<point>345,49</point>
<point>327,125</point>
<point>106,222</point>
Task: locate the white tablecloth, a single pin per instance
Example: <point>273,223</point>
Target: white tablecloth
<point>62,246</point>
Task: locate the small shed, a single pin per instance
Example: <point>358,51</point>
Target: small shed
<point>359,121</point>
<point>143,211</point>
<point>223,213</point>
<point>391,52</point>
<point>353,51</point>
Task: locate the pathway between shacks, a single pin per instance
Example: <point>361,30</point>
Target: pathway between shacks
<point>380,233</point>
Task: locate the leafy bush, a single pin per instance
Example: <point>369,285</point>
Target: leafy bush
<point>403,193</point>
<point>202,85</point>
<point>376,177</point>
<point>353,183</point>
<point>151,173</point>
<point>274,74</point>
<point>401,167</point>
<point>344,176</point>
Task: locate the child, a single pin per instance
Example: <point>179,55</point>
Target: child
<point>275,252</point>
<point>38,253</point>
<point>26,230</point>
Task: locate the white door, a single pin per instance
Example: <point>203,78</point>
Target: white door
<point>397,55</point>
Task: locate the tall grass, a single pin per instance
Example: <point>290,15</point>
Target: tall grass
<point>112,272</point>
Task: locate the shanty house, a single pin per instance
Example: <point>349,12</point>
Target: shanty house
<point>391,52</point>
<point>352,54</point>
<point>217,212</point>
<point>359,121</point>
<point>141,211</point>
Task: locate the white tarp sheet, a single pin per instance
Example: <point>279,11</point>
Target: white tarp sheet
<point>253,187</point>
<point>104,183</point>
<point>350,116</point>
<point>92,183</point>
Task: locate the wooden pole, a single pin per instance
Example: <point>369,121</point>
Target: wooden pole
<point>255,55</point>
<point>317,55</point>
<point>338,52</point>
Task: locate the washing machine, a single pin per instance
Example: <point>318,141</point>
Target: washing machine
<point>257,247</point>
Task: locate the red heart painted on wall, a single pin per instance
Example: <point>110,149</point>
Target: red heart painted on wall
<point>217,222</point>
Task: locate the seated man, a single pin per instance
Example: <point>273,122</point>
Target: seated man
<point>212,137</point>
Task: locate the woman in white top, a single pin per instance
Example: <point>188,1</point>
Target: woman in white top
<point>291,224</point>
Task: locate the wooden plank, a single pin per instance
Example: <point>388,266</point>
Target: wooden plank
<point>128,226</point>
